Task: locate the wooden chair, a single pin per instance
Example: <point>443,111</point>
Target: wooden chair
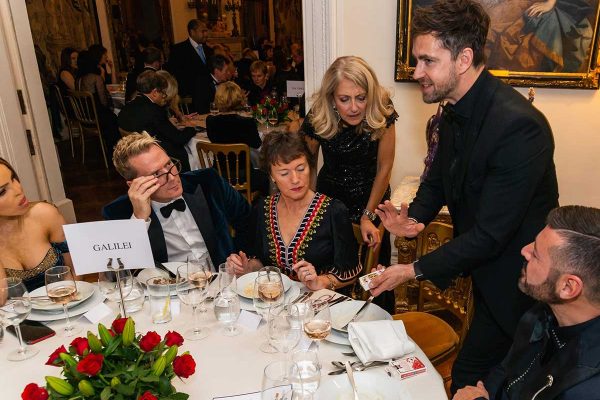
<point>367,256</point>
<point>84,108</point>
<point>227,159</point>
<point>458,298</point>
<point>69,118</point>
<point>185,105</point>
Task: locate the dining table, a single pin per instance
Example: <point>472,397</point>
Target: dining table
<point>225,366</point>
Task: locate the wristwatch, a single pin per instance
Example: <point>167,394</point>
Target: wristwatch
<point>418,273</point>
<point>369,214</point>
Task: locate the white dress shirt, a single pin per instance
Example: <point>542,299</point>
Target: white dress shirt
<point>182,235</point>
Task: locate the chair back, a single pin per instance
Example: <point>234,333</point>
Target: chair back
<point>367,256</point>
<point>458,297</point>
<point>232,162</point>
<point>84,108</point>
<point>185,105</point>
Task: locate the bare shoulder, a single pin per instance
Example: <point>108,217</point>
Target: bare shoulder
<point>46,213</point>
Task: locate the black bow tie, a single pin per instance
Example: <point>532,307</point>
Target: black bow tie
<point>178,205</point>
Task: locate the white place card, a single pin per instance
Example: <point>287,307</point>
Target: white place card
<point>92,243</point>
<point>98,312</point>
<point>295,88</point>
<point>249,320</point>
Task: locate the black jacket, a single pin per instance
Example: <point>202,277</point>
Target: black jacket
<point>214,204</point>
<point>187,66</point>
<point>575,368</point>
<point>503,187</point>
<point>141,114</point>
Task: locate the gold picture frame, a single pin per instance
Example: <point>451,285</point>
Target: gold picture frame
<point>557,49</point>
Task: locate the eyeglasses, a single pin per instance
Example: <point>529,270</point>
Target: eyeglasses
<point>162,177</point>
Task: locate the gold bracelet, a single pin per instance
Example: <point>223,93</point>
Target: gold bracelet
<point>331,282</point>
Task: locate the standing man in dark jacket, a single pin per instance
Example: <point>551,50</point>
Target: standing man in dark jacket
<point>556,352</point>
<point>494,170</point>
<point>148,112</point>
<point>188,60</point>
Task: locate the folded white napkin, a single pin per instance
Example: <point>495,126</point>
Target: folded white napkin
<point>379,340</point>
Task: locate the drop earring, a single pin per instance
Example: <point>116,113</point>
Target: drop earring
<point>337,114</point>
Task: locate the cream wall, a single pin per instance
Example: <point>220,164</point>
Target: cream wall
<point>370,31</point>
<point>180,16</point>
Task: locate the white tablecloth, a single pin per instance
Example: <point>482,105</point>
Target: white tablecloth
<point>225,365</point>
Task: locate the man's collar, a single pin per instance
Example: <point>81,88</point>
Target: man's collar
<point>150,67</point>
<point>464,107</point>
<point>215,80</point>
<point>194,43</point>
<point>156,205</point>
<point>148,97</point>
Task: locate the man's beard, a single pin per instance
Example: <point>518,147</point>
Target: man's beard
<point>545,291</point>
<point>443,90</point>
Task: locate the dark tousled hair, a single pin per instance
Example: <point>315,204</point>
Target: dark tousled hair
<point>150,80</point>
<point>579,254</point>
<point>458,24</point>
<point>13,173</point>
<point>283,147</point>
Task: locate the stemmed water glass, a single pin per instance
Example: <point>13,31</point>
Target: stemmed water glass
<point>273,118</point>
<point>108,284</point>
<point>306,372</point>
<point>61,288</point>
<point>262,118</point>
<point>192,289</point>
<point>282,382</point>
<point>227,311</point>
<point>284,334</point>
<point>318,327</point>
<point>15,306</point>
<point>268,292</point>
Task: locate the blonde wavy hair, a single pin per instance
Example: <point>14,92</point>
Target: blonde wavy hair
<point>128,147</point>
<point>323,117</point>
<point>229,97</point>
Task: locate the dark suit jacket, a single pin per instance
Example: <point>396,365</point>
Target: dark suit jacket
<point>233,128</point>
<point>214,204</point>
<point>141,114</point>
<point>186,65</point>
<point>203,93</point>
<point>508,189</point>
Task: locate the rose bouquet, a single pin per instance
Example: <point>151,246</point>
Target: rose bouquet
<point>116,365</point>
<point>269,105</point>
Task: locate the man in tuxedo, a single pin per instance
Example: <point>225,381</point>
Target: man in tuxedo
<point>494,170</point>
<point>187,214</point>
<point>206,86</point>
<point>153,60</point>
<point>188,60</point>
<point>147,112</point>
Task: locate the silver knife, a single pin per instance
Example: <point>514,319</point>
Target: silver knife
<point>369,300</point>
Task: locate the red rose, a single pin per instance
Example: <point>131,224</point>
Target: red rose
<point>90,364</point>
<point>80,345</point>
<point>273,102</point>
<point>34,392</point>
<point>184,365</point>
<point>147,396</point>
<point>263,100</point>
<point>119,324</point>
<point>149,341</point>
<point>172,338</point>
<point>55,357</point>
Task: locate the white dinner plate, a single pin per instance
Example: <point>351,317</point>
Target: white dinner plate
<point>79,309</point>
<point>339,312</point>
<point>248,305</point>
<point>371,385</point>
<point>245,284</point>
<point>84,291</point>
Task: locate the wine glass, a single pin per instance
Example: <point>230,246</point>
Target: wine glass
<point>261,117</point>
<point>268,291</point>
<point>15,306</point>
<point>306,372</point>
<point>283,333</point>
<point>202,264</point>
<point>107,282</point>
<point>226,277</point>
<point>61,289</point>
<point>214,110</point>
<point>192,289</point>
<point>302,312</point>
<point>318,327</point>
<point>227,311</point>
<point>278,384</point>
<point>273,117</point>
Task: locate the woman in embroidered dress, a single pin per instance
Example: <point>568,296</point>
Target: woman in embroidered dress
<point>31,235</point>
<point>306,234</point>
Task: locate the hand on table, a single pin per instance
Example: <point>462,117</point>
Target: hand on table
<point>240,263</point>
<point>472,392</point>
<point>391,277</point>
<point>308,275</point>
<point>140,192</point>
<point>396,222</point>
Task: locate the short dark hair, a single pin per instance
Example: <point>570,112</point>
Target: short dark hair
<point>150,80</point>
<point>194,24</point>
<point>579,254</point>
<point>283,147</point>
<point>13,173</point>
<point>151,55</point>
<point>86,64</point>
<point>217,61</point>
<point>96,52</point>
<point>458,24</point>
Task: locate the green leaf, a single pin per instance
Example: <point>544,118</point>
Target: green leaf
<point>178,396</point>
<point>149,378</point>
<point>127,390</point>
<point>106,393</point>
